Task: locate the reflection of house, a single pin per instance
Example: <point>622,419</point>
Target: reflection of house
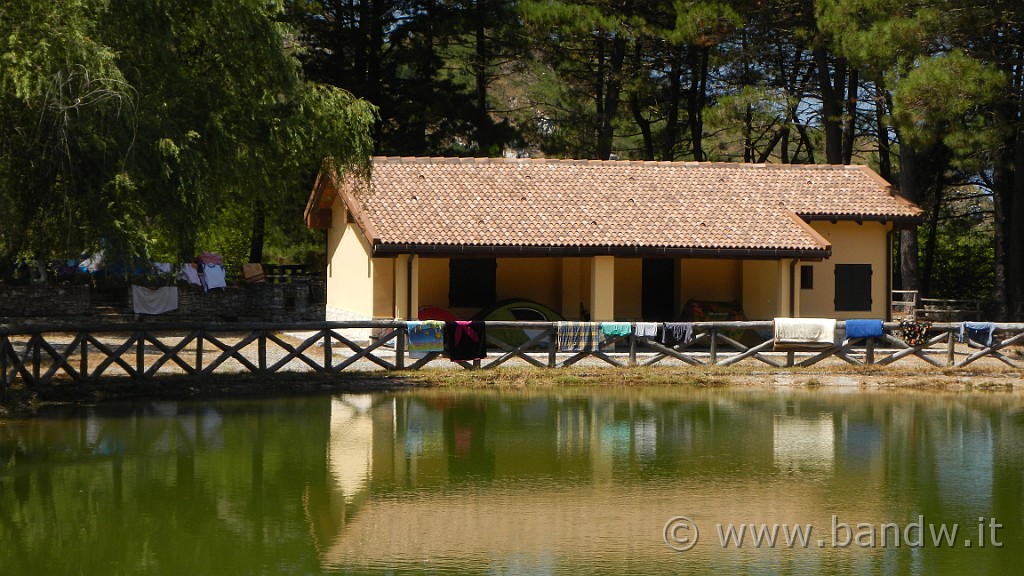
<point>623,240</point>
<point>351,444</point>
<point>802,443</point>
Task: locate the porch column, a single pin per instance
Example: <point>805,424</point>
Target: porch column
<point>406,286</point>
<point>602,289</point>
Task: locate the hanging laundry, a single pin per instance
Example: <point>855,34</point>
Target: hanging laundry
<point>425,336</point>
<point>616,329</point>
<point>578,336</point>
<point>913,332</point>
<point>646,329</point>
<point>804,333</point>
<point>676,333</point>
<point>864,329</point>
<point>465,339</point>
<point>980,332</point>
<point>214,276</point>
<point>154,301</point>
<point>189,274</point>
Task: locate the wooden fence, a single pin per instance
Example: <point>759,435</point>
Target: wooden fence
<point>36,355</point>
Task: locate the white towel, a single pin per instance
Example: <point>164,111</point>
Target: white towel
<point>804,333</point>
<point>158,301</point>
<point>646,329</point>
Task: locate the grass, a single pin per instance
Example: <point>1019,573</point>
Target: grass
<point>993,376</point>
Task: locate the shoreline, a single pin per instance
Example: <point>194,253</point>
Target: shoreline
<point>24,403</point>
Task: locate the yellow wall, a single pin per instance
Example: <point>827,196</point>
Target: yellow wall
<point>602,289</point>
<point>852,243</point>
<point>761,294</point>
<point>710,280</point>
<point>628,289</point>
<point>575,287</point>
<point>384,288</point>
<point>349,270</point>
<point>433,281</point>
<point>537,279</point>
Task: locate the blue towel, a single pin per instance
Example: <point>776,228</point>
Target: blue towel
<point>864,329</point>
<point>980,332</point>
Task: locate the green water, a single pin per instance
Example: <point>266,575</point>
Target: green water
<point>520,483</point>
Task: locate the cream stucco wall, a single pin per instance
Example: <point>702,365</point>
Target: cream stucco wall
<point>537,279</point>
<point>433,281</point>
<point>762,289</point>
<point>575,286</point>
<point>350,293</point>
<point>710,280</point>
<point>852,243</point>
<point>628,289</point>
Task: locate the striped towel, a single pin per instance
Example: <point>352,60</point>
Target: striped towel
<point>578,336</point>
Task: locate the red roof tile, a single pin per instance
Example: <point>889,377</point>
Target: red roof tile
<point>588,207</point>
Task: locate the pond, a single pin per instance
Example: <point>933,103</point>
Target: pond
<point>612,481</point>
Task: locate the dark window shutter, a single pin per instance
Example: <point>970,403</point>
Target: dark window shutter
<point>807,278</point>
<point>472,282</point>
<point>853,287</point>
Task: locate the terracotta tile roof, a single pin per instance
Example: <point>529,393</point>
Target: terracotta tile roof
<point>589,207</point>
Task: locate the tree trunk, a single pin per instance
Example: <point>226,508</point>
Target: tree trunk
<point>258,230</point>
<point>697,98</point>
<point>882,134</point>
<point>671,133</point>
<point>483,128</point>
<point>909,189</point>
<point>613,87</point>
<point>644,124</point>
<point>831,103</point>
<point>850,126</point>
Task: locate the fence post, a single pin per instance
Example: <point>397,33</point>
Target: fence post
<point>140,355</point>
<point>328,351</point>
<point>869,352</point>
<point>552,347</point>
<point>261,348</point>
<point>632,348</point>
<point>4,343</point>
<point>200,336</point>
<point>83,359</point>
<point>400,348</point>
<point>714,346</point>
<point>950,348</point>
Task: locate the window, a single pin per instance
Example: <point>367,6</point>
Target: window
<point>472,282</point>
<point>807,278</point>
<point>853,287</point>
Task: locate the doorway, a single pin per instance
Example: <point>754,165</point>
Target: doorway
<point>658,288</point>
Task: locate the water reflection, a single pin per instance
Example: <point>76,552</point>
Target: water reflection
<point>514,483</point>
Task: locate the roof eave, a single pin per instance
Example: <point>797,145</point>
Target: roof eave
<point>452,250</point>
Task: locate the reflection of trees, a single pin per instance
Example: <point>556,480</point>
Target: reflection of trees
<point>161,487</point>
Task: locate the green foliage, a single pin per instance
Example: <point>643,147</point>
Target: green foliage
<point>943,99</point>
<point>134,126</point>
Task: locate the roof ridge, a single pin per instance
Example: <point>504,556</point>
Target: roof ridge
<point>585,161</point>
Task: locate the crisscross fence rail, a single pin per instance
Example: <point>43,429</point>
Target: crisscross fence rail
<point>34,355</point>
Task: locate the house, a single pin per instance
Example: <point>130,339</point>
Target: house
<point>615,240</point>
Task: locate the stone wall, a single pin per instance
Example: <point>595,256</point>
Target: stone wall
<point>44,301</point>
<point>294,302</point>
